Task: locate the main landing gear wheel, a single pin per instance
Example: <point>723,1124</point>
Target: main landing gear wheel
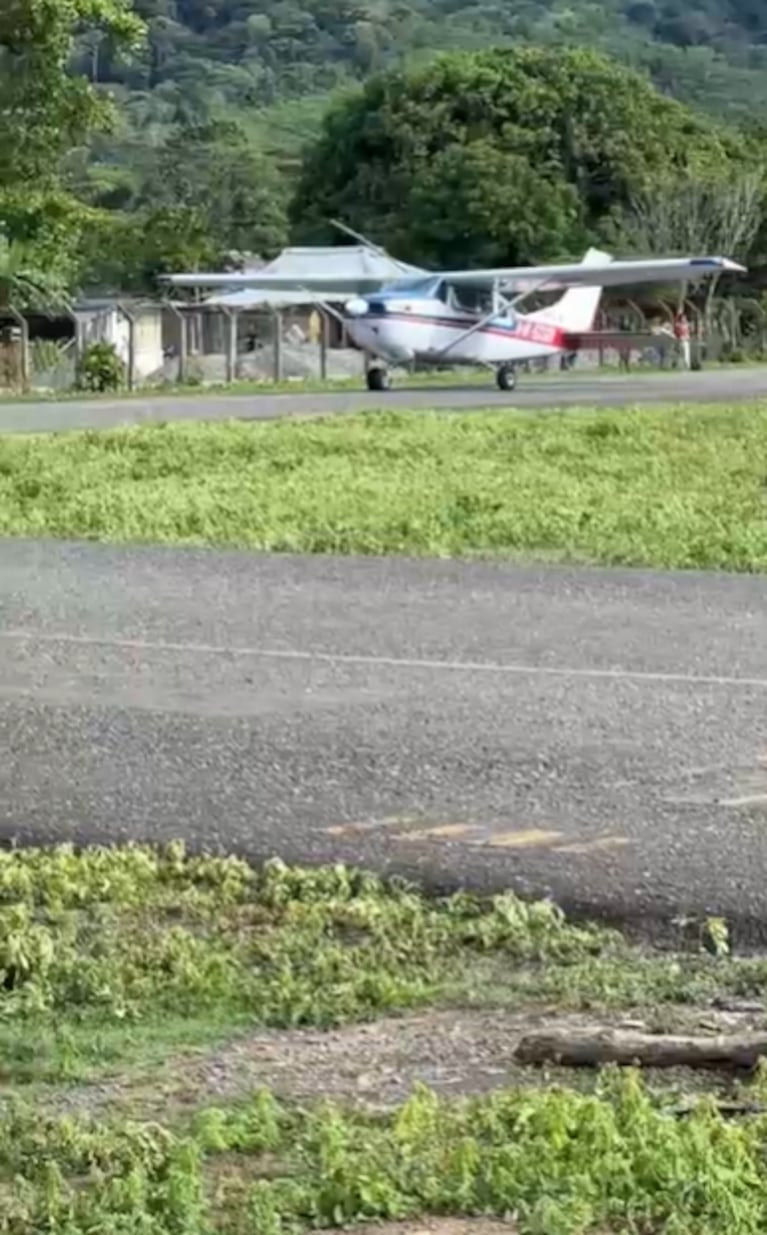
<point>378,379</point>
<point>506,377</point>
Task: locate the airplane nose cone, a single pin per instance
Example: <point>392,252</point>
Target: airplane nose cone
<point>356,306</point>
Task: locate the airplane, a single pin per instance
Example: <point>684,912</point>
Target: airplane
<point>472,317</point>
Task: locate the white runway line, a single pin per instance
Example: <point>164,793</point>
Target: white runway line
<point>497,668</point>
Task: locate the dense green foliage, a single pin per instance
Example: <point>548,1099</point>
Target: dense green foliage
<point>100,368</point>
<point>682,486</point>
<point>46,112</point>
<point>249,54</point>
<point>562,1162</point>
<point>132,149</point>
<point>133,932</point>
<point>502,157</point>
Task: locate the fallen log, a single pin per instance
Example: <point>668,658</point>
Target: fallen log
<point>592,1049</point>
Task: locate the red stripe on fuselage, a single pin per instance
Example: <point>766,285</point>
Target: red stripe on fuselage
<point>525,330</point>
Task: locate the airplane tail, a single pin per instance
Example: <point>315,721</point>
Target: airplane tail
<point>577,307</point>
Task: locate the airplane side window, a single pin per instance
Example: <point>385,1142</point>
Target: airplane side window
<point>472,299</point>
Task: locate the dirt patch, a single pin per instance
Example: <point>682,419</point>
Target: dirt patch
<point>437,1226</point>
<point>376,1065</point>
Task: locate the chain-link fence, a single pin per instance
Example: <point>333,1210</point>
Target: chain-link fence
<point>164,344</point>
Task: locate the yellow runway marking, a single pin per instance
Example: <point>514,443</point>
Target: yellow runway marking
<point>370,825</point>
<point>594,846</point>
<point>444,831</point>
<point>478,837</point>
<point>522,840</point>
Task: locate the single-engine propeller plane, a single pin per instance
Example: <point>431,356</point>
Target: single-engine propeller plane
<point>474,317</point>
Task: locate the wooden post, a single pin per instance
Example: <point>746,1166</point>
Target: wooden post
<point>21,322</point>
<point>182,338</point>
<point>231,344</point>
<point>277,321</point>
<point>324,332</point>
<point>131,320</point>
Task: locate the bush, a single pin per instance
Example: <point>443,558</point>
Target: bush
<point>100,368</point>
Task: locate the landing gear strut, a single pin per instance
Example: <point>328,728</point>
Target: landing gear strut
<point>506,377</point>
<point>377,378</point>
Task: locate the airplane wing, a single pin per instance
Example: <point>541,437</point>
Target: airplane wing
<point>609,274</point>
<point>309,281</point>
<point>510,278</point>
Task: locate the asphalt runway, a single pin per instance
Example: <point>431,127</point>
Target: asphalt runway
<point>600,736</point>
<point>714,385</point>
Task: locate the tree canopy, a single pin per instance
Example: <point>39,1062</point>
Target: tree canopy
<point>140,138</point>
<point>46,111</point>
<point>500,156</point>
<point>252,53</point>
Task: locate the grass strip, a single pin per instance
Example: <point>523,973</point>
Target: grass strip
<point>676,487</point>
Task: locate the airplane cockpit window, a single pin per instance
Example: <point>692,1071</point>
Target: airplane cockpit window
<point>471,299</point>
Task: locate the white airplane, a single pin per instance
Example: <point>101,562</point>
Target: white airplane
<point>472,316</point>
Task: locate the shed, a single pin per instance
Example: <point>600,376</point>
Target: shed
<point>134,327</point>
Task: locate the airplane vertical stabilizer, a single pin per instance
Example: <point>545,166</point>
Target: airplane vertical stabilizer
<point>576,309</point>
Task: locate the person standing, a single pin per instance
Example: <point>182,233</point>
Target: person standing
<point>682,336</point>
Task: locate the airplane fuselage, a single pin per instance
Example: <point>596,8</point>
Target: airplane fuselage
<point>400,326</point>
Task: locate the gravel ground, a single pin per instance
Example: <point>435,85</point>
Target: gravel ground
<point>455,1053</point>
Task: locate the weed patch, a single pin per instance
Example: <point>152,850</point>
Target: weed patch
<point>119,937</point>
<point>117,957</point>
<point>558,1161</point>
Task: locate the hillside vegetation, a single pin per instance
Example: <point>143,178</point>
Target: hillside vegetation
<point>171,134</point>
<point>247,52</point>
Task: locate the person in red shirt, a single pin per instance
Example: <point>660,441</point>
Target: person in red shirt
<point>682,336</point>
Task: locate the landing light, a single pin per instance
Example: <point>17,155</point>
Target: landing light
<point>356,306</point>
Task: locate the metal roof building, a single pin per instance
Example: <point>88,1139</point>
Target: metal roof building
<point>358,266</point>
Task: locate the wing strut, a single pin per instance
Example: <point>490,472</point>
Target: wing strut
<point>496,310</point>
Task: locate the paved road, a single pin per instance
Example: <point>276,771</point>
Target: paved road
<point>598,735</point>
<point>716,385</point>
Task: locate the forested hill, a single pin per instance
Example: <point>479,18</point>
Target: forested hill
<point>218,146</point>
<point>204,54</point>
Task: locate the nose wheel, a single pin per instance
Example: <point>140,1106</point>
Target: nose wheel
<point>506,377</point>
<point>378,378</point>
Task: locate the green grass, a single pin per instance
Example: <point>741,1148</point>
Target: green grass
<point>672,487</point>
<point>561,1162</point>
<point>109,955</point>
<point>116,958</point>
<point>101,952</point>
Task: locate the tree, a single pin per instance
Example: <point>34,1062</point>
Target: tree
<point>51,224</point>
<point>215,171</point>
<point>478,203</point>
<point>44,109</point>
<point>537,146</point>
<point>24,284</point>
<point>719,212</point>
<point>128,252</point>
